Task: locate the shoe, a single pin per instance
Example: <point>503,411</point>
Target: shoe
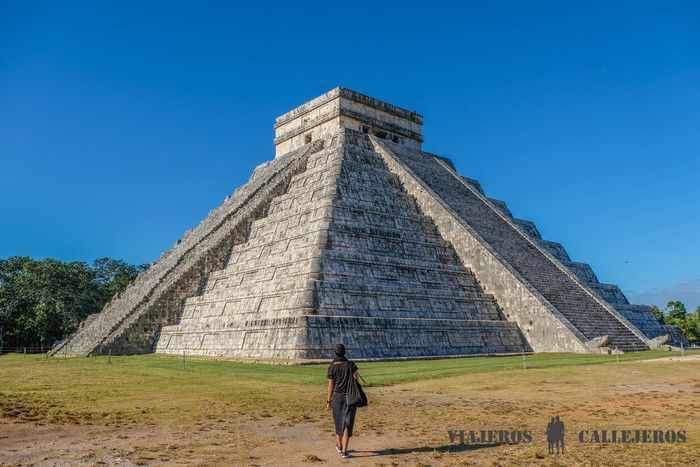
<point>338,450</point>
<point>344,455</point>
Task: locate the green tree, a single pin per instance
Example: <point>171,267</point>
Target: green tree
<point>113,275</point>
<point>676,310</point>
<point>658,314</point>
<point>693,324</point>
<point>42,301</point>
<point>689,323</point>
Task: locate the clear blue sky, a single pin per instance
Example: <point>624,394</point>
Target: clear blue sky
<point>122,125</point>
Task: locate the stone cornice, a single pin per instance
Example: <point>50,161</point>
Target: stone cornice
<point>383,125</point>
<point>391,109</point>
<point>353,96</point>
<point>305,126</point>
<point>337,112</point>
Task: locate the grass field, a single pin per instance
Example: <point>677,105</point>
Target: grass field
<point>156,410</point>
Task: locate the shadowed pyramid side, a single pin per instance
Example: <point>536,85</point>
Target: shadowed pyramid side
<point>640,316</point>
<point>555,310</point>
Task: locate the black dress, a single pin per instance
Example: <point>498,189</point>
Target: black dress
<point>341,371</point>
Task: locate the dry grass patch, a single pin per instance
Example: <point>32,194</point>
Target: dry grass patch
<point>150,410</point>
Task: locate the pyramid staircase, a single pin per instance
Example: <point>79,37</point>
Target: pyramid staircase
<point>345,254</point>
<point>640,316</point>
<point>540,264</point>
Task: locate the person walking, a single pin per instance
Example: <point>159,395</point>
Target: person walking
<point>341,373</point>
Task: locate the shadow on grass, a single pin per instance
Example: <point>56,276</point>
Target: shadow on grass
<point>446,448</point>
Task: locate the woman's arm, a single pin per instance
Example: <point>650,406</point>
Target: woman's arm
<point>330,393</point>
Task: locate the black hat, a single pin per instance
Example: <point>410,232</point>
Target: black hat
<point>339,350</point>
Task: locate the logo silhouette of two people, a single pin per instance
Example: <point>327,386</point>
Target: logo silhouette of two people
<point>555,435</point>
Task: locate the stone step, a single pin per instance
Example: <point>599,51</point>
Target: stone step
<point>293,218</point>
<point>373,218</point>
<point>467,293</point>
<point>292,200</point>
<point>555,249</point>
<point>389,233</point>
<point>398,209</point>
<point>610,293</point>
<point>389,212</point>
<point>364,338</point>
<point>468,314</point>
<point>583,271</point>
<point>225,291</point>
<point>529,228</point>
<point>501,206</point>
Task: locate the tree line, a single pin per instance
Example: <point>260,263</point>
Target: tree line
<point>677,315</point>
<point>44,301</point>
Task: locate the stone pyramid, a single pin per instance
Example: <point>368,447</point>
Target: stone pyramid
<point>353,234</point>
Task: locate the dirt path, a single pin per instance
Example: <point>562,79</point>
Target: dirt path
<point>67,445</point>
<point>406,425</point>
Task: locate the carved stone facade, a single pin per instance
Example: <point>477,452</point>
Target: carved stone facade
<point>353,234</point>
<point>342,108</point>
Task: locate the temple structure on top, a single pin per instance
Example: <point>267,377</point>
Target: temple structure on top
<point>343,108</point>
<point>353,234</point>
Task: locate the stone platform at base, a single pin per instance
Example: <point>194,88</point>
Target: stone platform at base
<point>313,337</point>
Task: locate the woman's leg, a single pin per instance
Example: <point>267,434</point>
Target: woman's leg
<point>349,423</point>
<point>346,441</point>
<point>338,406</point>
